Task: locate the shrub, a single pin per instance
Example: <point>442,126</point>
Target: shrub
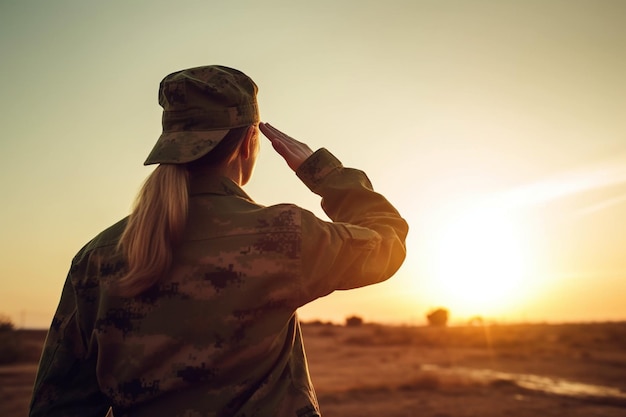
<point>438,317</point>
<point>354,321</point>
<point>10,348</point>
<point>6,325</point>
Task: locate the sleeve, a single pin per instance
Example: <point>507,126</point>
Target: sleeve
<point>366,241</point>
<point>66,383</point>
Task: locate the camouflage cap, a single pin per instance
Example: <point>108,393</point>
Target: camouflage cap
<point>200,105</point>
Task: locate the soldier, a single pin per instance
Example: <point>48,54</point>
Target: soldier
<point>187,307</point>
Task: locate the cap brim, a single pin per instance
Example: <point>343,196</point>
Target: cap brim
<point>183,147</point>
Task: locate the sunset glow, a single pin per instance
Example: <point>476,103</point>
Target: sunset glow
<point>495,128</point>
<point>480,261</point>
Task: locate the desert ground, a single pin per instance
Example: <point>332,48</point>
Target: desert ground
<point>566,370</point>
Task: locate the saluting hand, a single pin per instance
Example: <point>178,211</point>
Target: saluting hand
<point>294,152</point>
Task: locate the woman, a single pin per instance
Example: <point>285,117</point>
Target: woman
<point>188,306</point>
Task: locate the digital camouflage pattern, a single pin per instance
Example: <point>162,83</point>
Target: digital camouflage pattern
<point>219,336</point>
<point>200,105</point>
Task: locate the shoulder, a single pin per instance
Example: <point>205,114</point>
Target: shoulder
<point>280,216</point>
<point>108,238</point>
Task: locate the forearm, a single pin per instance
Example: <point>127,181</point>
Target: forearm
<point>364,245</point>
<point>348,196</point>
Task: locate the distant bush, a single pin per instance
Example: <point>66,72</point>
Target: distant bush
<point>10,348</point>
<point>438,317</point>
<point>354,321</point>
<point>318,323</point>
<point>6,325</point>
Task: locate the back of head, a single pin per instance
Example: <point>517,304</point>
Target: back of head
<point>204,109</point>
<point>200,106</point>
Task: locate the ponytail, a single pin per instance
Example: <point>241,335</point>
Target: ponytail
<point>157,223</point>
<point>155,227</point>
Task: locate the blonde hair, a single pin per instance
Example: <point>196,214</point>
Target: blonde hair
<point>157,222</point>
<point>155,227</point>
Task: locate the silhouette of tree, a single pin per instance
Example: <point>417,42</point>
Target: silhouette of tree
<point>438,317</point>
<point>10,348</point>
<point>6,325</point>
<point>354,321</point>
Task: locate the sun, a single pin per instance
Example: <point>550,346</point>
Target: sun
<point>480,261</point>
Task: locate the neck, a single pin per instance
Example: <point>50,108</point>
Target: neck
<point>232,170</point>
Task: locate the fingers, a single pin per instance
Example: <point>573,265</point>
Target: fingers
<point>274,134</point>
<point>293,151</point>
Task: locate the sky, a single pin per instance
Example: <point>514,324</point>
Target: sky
<point>496,127</point>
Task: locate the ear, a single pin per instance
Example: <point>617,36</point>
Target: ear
<point>247,145</point>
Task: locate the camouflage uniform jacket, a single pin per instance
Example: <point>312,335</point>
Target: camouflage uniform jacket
<point>219,336</point>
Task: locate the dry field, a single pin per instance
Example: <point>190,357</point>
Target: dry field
<point>513,370</point>
<point>571,370</point>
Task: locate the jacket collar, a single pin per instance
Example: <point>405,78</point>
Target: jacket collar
<point>216,185</point>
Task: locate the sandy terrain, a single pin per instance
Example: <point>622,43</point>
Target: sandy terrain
<point>370,370</point>
<point>440,372</point>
